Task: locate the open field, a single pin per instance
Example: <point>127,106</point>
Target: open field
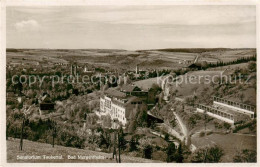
<point>39,149</point>
<point>123,59</point>
<point>230,143</point>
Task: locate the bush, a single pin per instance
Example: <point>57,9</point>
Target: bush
<point>209,133</point>
<point>243,126</point>
<point>166,137</point>
<point>170,152</point>
<point>245,156</point>
<point>208,154</point>
<point>202,134</point>
<point>134,143</point>
<point>147,152</point>
<point>226,125</point>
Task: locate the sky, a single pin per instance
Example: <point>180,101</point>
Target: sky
<point>131,27</point>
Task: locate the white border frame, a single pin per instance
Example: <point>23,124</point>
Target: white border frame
<point>6,3</point>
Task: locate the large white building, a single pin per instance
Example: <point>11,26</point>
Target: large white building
<point>118,105</point>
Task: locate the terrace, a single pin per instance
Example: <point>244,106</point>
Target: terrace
<point>235,104</point>
<point>223,113</point>
<point>215,111</point>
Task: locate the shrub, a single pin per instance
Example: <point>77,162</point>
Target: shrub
<point>208,154</point>
<point>147,152</point>
<point>170,152</point>
<point>245,156</point>
<point>202,134</point>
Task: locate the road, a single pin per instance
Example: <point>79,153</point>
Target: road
<point>196,59</point>
<point>183,127</point>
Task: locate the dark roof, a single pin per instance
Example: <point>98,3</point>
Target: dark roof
<point>195,66</point>
<point>129,88</point>
<point>115,93</point>
<point>132,98</point>
<point>46,99</point>
<point>128,101</point>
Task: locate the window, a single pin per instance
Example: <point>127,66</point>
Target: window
<point>107,103</point>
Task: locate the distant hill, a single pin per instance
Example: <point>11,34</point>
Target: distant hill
<point>197,50</point>
<point>112,59</point>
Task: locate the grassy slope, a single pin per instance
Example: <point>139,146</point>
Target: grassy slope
<point>231,143</point>
<point>35,148</point>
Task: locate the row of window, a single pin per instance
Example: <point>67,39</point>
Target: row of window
<point>217,112</point>
<point>108,103</point>
<point>118,113</point>
<point>236,104</point>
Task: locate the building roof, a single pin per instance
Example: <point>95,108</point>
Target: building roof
<point>194,66</point>
<point>115,93</point>
<point>128,101</point>
<point>130,88</point>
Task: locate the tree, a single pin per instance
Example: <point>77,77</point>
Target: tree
<point>208,154</point>
<point>106,121</point>
<point>170,152</point>
<point>245,156</point>
<point>152,94</point>
<point>121,139</point>
<point>54,132</point>
<point>141,118</point>
<point>173,122</point>
<point>252,66</point>
<point>104,141</point>
<point>179,156</point>
<point>166,137</point>
<point>22,131</point>
<point>114,146</point>
<point>147,152</point>
<point>242,96</point>
<point>134,143</point>
<point>215,153</point>
<point>227,125</point>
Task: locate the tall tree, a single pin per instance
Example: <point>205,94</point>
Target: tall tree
<point>179,156</point>
<point>170,152</point>
<point>134,143</point>
<point>21,139</point>
<point>147,152</point>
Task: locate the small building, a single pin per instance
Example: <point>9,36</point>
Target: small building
<point>46,105</point>
<point>195,66</point>
<point>133,91</point>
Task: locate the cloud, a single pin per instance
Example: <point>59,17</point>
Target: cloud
<point>27,25</point>
<point>173,15</point>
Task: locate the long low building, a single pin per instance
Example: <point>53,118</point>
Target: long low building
<point>224,110</point>
<point>238,107</point>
